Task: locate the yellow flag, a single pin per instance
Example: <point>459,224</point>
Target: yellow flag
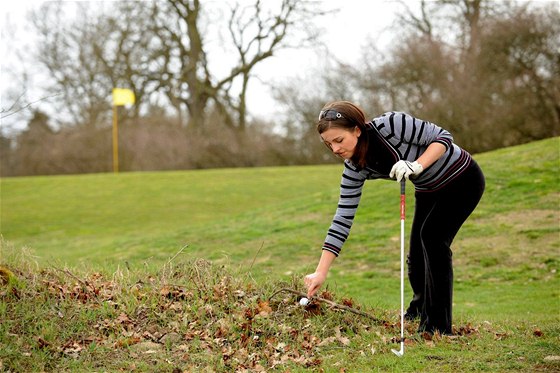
<point>123,96</point>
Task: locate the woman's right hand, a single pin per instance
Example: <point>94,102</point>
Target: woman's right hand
<point>313,282</point>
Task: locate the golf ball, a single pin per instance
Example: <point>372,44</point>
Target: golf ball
<point>304,301</point>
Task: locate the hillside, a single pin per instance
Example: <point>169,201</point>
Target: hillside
<point>104,257</point>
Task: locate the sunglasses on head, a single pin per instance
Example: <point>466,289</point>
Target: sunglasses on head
<point>330,115</point>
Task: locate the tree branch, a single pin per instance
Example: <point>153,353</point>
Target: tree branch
<point>330,303</point>
<point>23,107</point>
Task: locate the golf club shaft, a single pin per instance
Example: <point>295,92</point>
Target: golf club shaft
<point>403,214</point>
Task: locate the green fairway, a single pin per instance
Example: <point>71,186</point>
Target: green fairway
<point>270,222</point>
<point>106,219</point>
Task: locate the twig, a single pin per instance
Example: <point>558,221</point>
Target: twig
<point>84,284</point>
<point>255,257</point>
<point>195,282</point>
<point>331,303</point>
<point>174,256</point>
<point>23,107</point>
<point>67,272</point>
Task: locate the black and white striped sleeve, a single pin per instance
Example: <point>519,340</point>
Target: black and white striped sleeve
<point>350,194</point>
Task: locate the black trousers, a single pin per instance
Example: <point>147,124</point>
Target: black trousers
<point>438,216</point>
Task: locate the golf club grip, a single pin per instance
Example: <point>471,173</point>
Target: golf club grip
<point>403,199</point>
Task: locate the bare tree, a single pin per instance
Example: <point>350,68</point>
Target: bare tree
<point>87,56</point>
<point>302,102</point>
<point>131,50</point>
<point>488,71</point>
<point>520,65</point>
<point>255,33</point>
<point>30,149</point>
<point>6,156</point>
<point>271,33</point>
<point>161,48</point>
<point>492,81</point>
<point>66,52</point>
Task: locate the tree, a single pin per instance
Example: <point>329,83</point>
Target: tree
<point>256,32</point>
<point>271,33</point>
<point>161,49</point>
<point>524,52</point>
<point>31,153</point>
<point>302,99</point>
<point>492,81</point>
<point>66,53</point>
<point>6,156</point>
<point>487,71</point>
<point>87,56</point>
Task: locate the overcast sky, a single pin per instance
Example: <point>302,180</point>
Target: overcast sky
<point>358,19</point>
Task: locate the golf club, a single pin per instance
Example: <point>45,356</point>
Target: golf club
<point>400,352</point>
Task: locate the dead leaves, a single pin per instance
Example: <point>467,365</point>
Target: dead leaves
<point>537,332</point>
<point>263,308</point>
<point>72,349</point>
<point>124,342</point>
<point>465,330</point>
<point>175,293</point>
<point>203,317</point>
<point>119,324</point>
<point>338,337</point>
<point>83,290</point>
<point>41,343</point>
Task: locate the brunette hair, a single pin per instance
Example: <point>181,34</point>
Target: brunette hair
<point>351,116</point>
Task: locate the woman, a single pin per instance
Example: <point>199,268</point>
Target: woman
<point>448,186</point>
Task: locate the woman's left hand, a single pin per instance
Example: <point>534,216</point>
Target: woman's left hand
<point>405,169</point>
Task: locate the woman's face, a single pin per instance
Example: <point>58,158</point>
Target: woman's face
<point>341,141</point>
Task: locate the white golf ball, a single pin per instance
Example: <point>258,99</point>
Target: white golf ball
<point>304,301</point>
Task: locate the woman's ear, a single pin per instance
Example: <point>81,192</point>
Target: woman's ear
<point>358,131</point>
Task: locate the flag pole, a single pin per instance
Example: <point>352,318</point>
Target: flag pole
<point>115,141</point>
<point>121,96</point>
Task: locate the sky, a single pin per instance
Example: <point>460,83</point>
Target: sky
<point>347,32</point>
<point>358,19</point>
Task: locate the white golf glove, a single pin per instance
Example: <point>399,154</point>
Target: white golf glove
<point>405,169</point>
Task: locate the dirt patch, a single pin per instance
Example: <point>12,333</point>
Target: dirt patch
<point>523,220</point>
<point>529,238</point>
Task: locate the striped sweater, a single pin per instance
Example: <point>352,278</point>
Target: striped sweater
<point>392,137</point>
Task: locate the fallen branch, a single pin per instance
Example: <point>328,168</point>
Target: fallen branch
<point>68,273</point>
<point>330,303</point>
<point>85,285</point>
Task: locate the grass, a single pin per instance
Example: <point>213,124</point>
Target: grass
<point>252,231</point>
